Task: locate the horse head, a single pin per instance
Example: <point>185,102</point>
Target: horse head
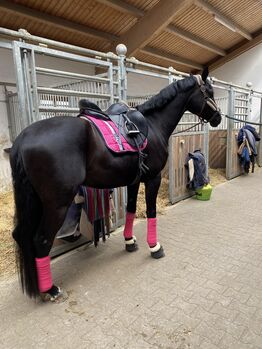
<point>202,103</point>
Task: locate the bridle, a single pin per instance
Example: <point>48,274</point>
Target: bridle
<point>207,101</point>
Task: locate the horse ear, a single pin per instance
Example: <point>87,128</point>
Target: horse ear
<point>205,74</point>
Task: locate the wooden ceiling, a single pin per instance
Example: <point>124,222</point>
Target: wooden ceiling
<point>185,34</point>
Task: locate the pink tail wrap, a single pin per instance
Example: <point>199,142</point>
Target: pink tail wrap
<point>44,273</point>
<point>128,231</point>
<point>151,232</point>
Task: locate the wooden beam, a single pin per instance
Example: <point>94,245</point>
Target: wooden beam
<point>170,57</point>
<point>59,22</point>
<point>153,22</point>
<point>236,51</point>
<point>195,39</point>
<point>123,7</point>
<point>213,11</point>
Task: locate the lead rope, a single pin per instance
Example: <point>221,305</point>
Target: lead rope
<point>225,115</point>
<point>239,120</point>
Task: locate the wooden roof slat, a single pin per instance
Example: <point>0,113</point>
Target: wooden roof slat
<point>163,27</point>
<point>171,57</point>
<point>142,56</point>
<point>236,51</point>
<point>123,7</point>
<point>247,13</point>
<point>195,39</point>
<point>212,10</point>
<point>153,22</point>
<point>200,23</point>
<point>55,21</point>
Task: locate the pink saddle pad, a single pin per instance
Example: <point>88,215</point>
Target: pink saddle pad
<point>113,139</point>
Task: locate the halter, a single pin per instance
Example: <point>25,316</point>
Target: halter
<point>207,101</point>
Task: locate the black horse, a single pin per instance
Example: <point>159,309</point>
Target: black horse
<point>51,158</point>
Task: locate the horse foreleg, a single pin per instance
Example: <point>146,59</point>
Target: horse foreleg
<point>51,221</point>
<point>152,187</point>
<point>130,239</point>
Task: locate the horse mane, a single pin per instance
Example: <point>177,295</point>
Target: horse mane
<point>168,93</point>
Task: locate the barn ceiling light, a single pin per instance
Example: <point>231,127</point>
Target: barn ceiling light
<point>224,23</point>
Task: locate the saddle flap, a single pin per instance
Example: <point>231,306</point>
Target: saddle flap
<point>138,120</point>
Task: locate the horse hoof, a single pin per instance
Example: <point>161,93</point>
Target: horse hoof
<point>71,238</point>
<point>54,295</point>
<point>131,244</point>
<point>158,254</point>
<point>132,248</point>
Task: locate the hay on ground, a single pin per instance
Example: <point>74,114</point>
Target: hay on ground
<point>7,248</point>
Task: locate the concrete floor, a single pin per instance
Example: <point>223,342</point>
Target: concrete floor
<point>206,293</point>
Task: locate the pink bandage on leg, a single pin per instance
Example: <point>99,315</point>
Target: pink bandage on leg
<point>128,231</point>
<point>44,273</point>
<point>151,232</point>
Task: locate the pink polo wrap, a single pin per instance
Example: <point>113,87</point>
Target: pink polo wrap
<point>151,232</point>
<point>44,273</point>
<point>128,231</point>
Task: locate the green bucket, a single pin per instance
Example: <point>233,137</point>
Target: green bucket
<point>204,193</point>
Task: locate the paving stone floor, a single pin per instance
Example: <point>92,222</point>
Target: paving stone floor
<point>206,293</point>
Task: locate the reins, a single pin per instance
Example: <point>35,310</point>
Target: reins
<point>189,128</point>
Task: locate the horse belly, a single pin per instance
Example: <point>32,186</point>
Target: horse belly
<point>111,171</point>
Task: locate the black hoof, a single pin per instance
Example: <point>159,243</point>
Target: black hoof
<point>55,294</point>
<point>71,238</point>
<point>158,254</point>
<point>131,248</point>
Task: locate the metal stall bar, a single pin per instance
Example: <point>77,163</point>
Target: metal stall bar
<point>62,92</point>
<point>148,73</point>
<point>230,127</point>
<point>34,86</point>
<point>58,109</point>
<point>171,79</point>
<point>20,84</point>
<point>65,96</point>
<point>23,34</point>
<point>65,74</point>
<point>111,85</point>
<point>259,157</point>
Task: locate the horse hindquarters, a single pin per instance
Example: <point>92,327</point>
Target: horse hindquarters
<point>27,217</point>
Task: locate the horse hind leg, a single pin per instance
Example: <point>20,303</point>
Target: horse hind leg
<point>152,187</point>
<point>52,219</point>
<point>130,239</point>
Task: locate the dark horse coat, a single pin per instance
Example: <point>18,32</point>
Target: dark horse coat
<point>52,157</point>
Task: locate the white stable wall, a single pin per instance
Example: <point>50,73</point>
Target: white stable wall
<point>141,85</point>
<point>243,69</point>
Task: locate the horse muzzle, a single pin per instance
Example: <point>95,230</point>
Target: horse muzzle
<point>215,119</point>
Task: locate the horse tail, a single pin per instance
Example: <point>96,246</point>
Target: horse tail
<point>28,212</point>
